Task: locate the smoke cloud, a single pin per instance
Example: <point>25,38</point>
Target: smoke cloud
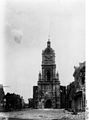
<point>17,35</point>
<point>12,33</point>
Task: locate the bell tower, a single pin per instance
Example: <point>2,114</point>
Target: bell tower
<point>48,63</point>
<point>48,83</point>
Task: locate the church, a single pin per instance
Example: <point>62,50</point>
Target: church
<point>47,92</point>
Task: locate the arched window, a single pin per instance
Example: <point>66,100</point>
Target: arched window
<point>48,75</point>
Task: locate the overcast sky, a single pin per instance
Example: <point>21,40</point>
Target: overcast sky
<point>27,26</point>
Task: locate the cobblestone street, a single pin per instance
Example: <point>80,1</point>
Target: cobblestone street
<point>41,114</point>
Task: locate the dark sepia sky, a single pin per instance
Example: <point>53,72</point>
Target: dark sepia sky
<point>27,26</point>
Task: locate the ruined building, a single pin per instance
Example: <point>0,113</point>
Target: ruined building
<point>62,96</point>
<point>79,76</point>
<point>76,90</point>
<point>2,94</point>
<point>47,93</point>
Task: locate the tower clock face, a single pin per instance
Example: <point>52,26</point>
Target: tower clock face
<point>48,57</point>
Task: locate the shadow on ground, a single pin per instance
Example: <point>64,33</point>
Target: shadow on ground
<point>32,119</point>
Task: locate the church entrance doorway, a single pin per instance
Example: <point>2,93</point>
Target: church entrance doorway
<point>48,104</point>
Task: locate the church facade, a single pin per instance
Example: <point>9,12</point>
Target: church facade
<point>47,92</point>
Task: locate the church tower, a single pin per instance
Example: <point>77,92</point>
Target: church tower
<point>48,83</point>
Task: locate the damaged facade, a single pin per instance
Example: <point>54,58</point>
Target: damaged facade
<point>2,94</point>
<point>76,90</point>
<point>62,96</point>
